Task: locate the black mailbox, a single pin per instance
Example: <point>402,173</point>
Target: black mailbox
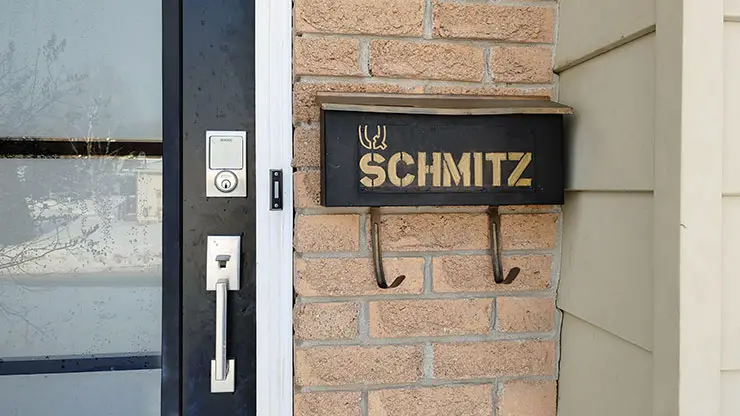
<point>422,150</point>
<point>417,150</point>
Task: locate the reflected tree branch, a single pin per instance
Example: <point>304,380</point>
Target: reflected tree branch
<point>29,91</point>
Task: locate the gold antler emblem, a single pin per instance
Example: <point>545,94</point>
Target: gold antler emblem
<point>377,142</point>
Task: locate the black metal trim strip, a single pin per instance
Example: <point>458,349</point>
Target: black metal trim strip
<point>172,108</point>
<point>80,365</point>
<point>49,148</point>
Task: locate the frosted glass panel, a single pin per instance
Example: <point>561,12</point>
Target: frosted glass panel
<point>72,320</point>
<point>80,68</point>
<point>130,393</point>
<point>80,256</point>
<point>81,235</point>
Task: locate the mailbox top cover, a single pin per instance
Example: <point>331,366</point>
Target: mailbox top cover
<point>434,150</point>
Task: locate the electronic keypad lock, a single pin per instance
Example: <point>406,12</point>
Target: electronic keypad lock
<point>226,164</point>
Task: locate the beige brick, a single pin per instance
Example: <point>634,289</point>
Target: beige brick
<point>326,320</point>
<point>416,318</point>
<point>492,21</point>
<point>475,273</point>
<point>414,232</point>
<point>422,60</point>
<point>307,189</point>
<point>306,147</point>
<point>317,233</point>
<point>377,17</point>
<point>521,64</point>
<point>306,110</point>
<point>435,401</point>
<point>528,398</point>
<point>528,231</point>
<point>525,314</point>
<point>489,91</point>
<point>326,56</point>
<point>328,403</point>
<point>494,359</point>
<point>336,366</point>
<point>355,277</point>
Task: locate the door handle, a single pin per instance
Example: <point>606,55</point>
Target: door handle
<point>222,365</point>
<point>222,275</point>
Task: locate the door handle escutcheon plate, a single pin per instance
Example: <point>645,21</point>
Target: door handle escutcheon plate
<point>222,275</point>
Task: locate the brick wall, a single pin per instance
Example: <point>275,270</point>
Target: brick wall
<point>448,341</point>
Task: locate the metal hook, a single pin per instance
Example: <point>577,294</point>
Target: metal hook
<point>498,272</point>
<point>377,258</point>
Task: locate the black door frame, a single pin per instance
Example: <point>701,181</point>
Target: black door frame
<point>171,199</point>
<point>208,84</point>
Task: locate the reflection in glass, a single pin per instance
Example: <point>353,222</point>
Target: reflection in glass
<point>80,238</point>
<point>80,256</point>
<point>82,69</point>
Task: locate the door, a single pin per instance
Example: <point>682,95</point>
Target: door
<point>217,150</point>
<point>107,110</point>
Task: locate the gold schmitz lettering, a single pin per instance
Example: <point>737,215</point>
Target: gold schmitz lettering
<point>443,169</point>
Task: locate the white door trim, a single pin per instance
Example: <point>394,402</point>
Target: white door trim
<point>274,150</point>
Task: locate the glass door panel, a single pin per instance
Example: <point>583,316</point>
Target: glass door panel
<point>81,207</point>
<point>120,393</point>
<point>80,264</point>
<point>81,68</point>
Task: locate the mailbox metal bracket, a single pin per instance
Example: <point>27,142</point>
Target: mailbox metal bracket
<point>498,272</point>
<point>377,255</point>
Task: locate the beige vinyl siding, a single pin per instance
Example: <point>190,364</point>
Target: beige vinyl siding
<point>610,143</point>
<point>731,283</point>
<point>732,7</point>
<point>731,214</point>
<point>606,280</point>
<point>593,385</point>
<point>731,153</point>
<point>587,26</point>
<point>730,389</point>
<point>607,263</point>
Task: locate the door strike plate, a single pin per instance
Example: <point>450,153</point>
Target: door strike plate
<point>276,189</point>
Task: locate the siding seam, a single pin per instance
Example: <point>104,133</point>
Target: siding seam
<point>607,331</point>
<point>606,49</point>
